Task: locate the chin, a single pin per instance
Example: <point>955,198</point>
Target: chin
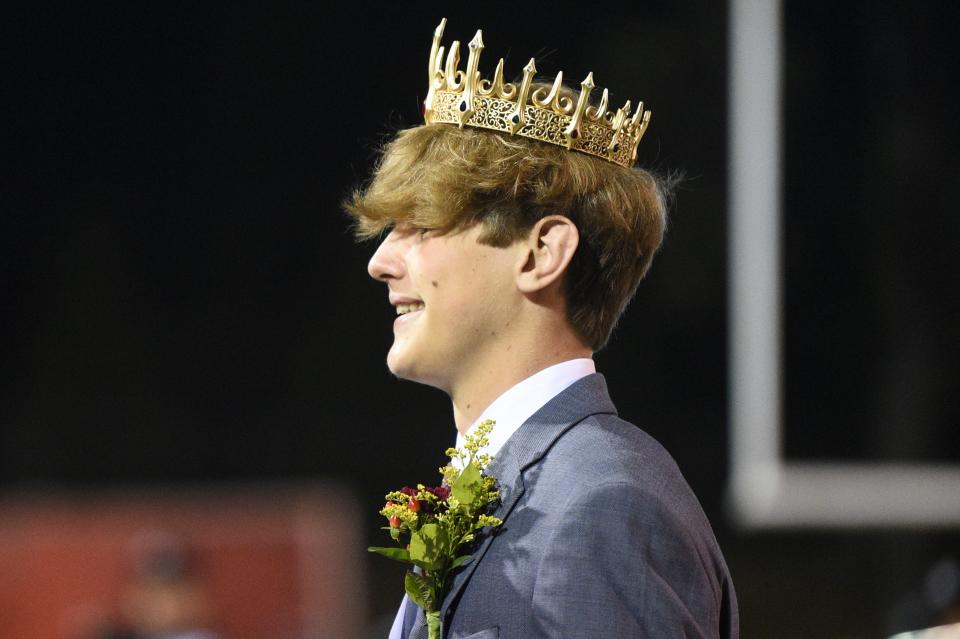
<point>400,365</point>
<point>404,367</point>
<point>394,366</point>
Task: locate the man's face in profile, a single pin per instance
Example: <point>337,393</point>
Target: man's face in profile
<point>454,298</point>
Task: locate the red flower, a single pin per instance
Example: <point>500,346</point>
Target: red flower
<point>409,492</point>
<point>440,492</point>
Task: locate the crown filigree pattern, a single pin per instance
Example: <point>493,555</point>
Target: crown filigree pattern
<point>465,98</point>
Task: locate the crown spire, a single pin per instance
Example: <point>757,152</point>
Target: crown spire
<point>433,68</point>
<point>472,77</point>
<point>517,118</point>
<point>572,132</point>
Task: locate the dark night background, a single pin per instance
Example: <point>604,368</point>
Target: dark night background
<point>183,301</point>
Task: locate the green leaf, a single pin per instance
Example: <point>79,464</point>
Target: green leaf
<point>427,545</point>
<point>418,589</point>
<point>466,488</point>
<point>397,554</point>
<point>422,564</point>
<point>459,561</point>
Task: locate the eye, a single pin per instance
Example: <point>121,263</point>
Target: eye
<point>409,230</point>
<point>422,232</point>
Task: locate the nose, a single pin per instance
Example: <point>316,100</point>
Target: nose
<point>387,260</point>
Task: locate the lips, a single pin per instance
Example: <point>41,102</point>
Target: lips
<point>408,308</point>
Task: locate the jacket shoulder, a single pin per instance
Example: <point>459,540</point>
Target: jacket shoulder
<point>644,534</point>
<point>605,448</point>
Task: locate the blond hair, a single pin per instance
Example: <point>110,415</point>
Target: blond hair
<point>440,177</point>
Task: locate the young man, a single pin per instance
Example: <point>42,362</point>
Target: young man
<point>517,232</point>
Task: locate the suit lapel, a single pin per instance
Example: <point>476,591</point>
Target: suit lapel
<point>585,397</point>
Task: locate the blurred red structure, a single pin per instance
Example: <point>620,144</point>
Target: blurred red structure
<point>275,562</point>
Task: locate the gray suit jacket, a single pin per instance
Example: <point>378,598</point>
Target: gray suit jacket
<point>601,537</point>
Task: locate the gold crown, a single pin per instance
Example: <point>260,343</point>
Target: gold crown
<point>464,98</point>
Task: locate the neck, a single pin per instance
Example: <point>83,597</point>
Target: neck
<point>500,370</point>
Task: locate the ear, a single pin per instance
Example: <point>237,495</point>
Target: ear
<point>547,251</point>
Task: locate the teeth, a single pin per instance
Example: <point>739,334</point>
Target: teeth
<point>403,309</point>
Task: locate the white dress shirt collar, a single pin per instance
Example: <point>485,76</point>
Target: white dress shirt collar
<point>522,400</point>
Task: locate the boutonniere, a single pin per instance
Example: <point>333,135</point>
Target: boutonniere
<point>434,527</point>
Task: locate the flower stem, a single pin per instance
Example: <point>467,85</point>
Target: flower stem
<point>433,625</point>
